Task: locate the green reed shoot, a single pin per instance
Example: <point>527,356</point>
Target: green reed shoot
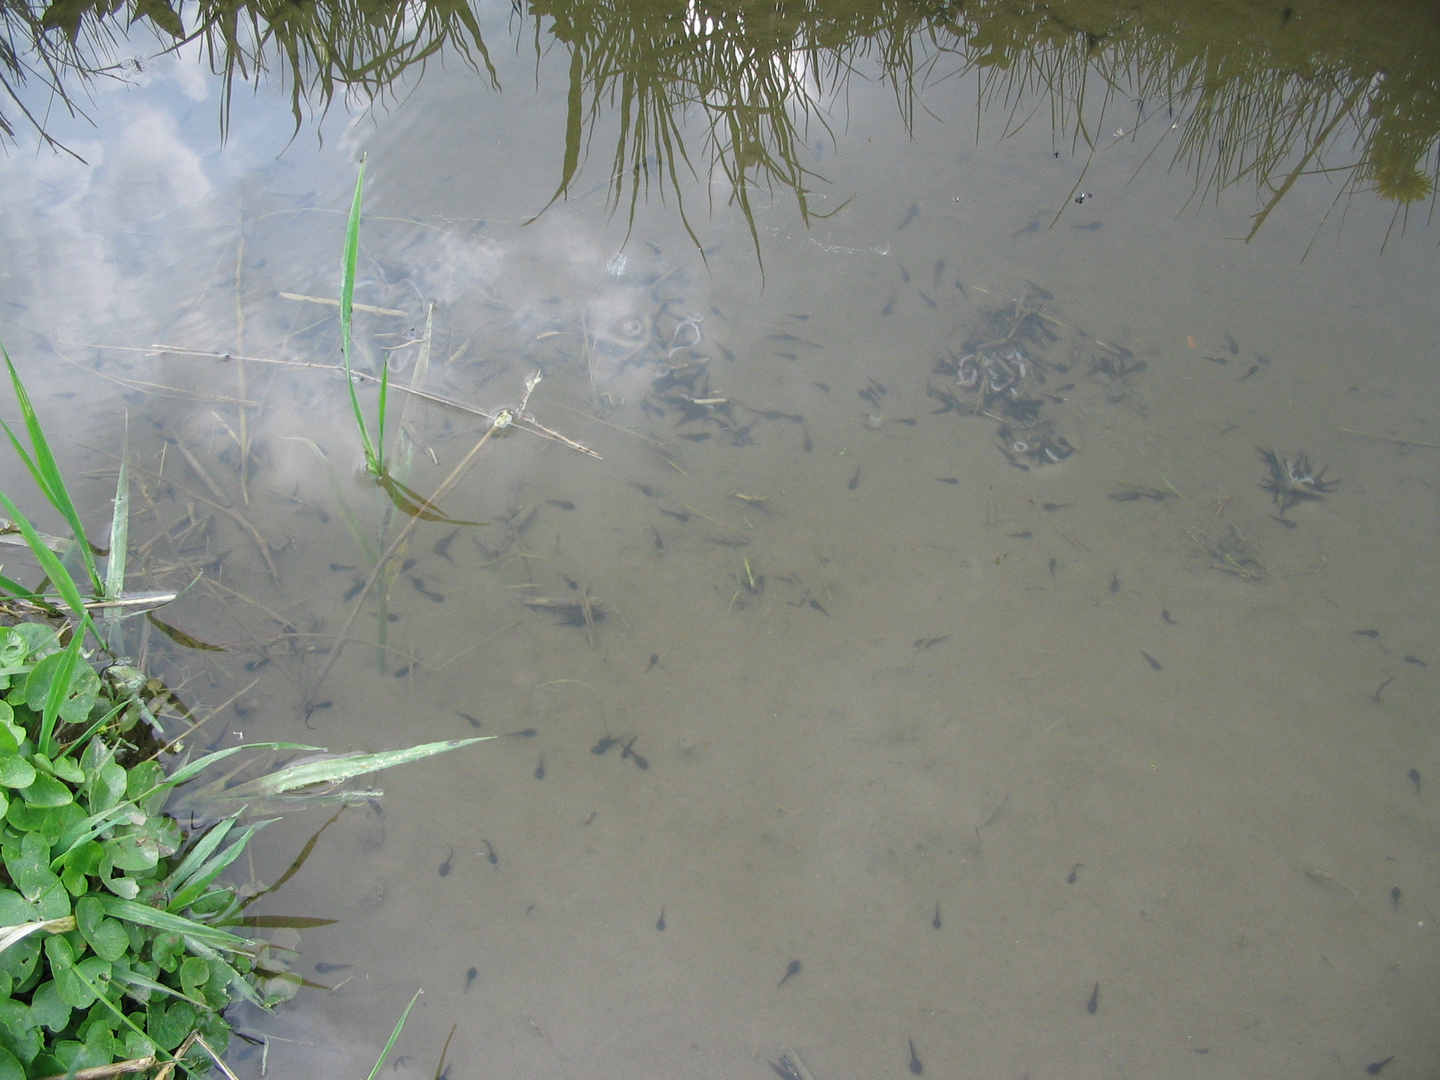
<point>40,461</point>
<point>46,472</point>
<point>394,1035</point>
<point>374,450</point>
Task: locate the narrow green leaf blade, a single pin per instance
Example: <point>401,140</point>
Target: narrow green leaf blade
<point>394,1035</point>
<point>338,769</point>
<point>347,311</point>
<point>144,915</point>
<point>52,484</point>
<point>53,567</point>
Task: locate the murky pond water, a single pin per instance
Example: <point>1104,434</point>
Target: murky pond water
<point>959,611</point>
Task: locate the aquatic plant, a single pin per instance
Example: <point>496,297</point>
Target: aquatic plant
<point>374,449</point>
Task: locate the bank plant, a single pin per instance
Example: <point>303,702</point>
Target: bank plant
<point>121,944</point>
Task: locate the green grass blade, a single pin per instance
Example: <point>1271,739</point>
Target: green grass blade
<point>14,588</point>
<point>166,922</point>
<point>190,770</point>
<point>211,870</point>
<point>380,420</point>
<point>202,850</point>
<point>390,1042</point>
<point>44,469</point>
<point>53,567</point>
<point>347,311</point>
<point>95,824</point>
<point>119,529</point>
<point>127,1021</point>
<point>119,544</point>
<point>93,728</point>
<point>339,769</point>
<point>59,691</point>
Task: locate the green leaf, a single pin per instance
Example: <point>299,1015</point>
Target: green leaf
<point>138,1046</point>
<point>50,822</point>
<point>212,902</point>
<point>347,305</point>
<point>78,983</point>
<point>394,1035</point>
<point>59,952</point>
<point>68,770</point>
<point>46,792</point>
<point>163,16</point>
<point>48,1008</point>
<point>29,866</point>
<point>143,778</point>
<point>68,691</point>
<point>107,786</point>
<point>169,1022</point>
<point>167,950</point>
<point>194,974</point>
<point>106,936</point>
<point>53,567</point>
<point>13,650</point>
<point>132,852</point>
<point>209,872</point>
<point>10,1068</point>
<point>123,887</point>
<point>100,1043</point>
<point>15,771</point>
<point>119,538</point>
<point>192,769</point>
<point>198,853</point>
<point>14,1017</point>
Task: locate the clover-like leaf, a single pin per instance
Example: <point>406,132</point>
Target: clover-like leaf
<point>46,791</point>
<point>48,1008</point>
<point>168,1022</point>
<point>13,650</point>
<point>132,851</point>
<point>105,935</point>
<point>10,1067</point>
<point>77,984</point>
<point>194,974</point>
<point>51,822</point>
<point>29,866</point>
<point>15,771</point>
<point>68,770</point>
<point>106,787</point>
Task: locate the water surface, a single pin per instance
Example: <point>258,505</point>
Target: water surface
<point>964,729</point>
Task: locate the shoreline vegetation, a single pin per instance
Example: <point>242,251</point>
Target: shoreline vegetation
<point>1251,98</point>
<point>121,944</point>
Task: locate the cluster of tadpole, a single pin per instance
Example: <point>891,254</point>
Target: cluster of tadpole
<point>999,371</point>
